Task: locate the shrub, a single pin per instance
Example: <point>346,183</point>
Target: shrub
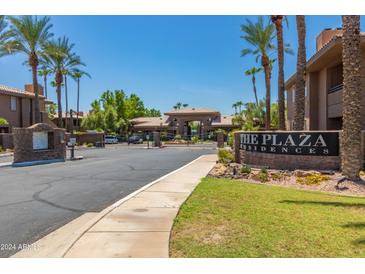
<point>195,139</point>
<point>224,156</point>
<point>90,145</point>
<point>1,149</point>
<point>245,169</point>
<point>312,179</point>
<point>278,176</point>
<point>262,175</point>
<point>3,121</point>
<point>177,137</point>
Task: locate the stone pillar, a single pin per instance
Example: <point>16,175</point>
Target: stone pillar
<point>156,139</point>
<point>220,139</point>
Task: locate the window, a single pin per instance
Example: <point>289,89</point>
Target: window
<point>335,78</point>
<point>13,103</point>
<point>293,95</point>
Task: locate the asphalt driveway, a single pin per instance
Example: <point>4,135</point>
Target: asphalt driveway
<point>37,200</point>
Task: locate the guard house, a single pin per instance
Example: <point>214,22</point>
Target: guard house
<point>180,122</point>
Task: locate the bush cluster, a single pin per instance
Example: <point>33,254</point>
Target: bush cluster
<point>245,169</point>
<point>262,175</point>
<point>312,179</point>
<point>225,156</point>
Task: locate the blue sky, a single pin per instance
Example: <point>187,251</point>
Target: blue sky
<point>166,59</point>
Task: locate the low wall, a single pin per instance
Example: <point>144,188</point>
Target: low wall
<point>89,138</point>
<point>290,162</point>
<point>39,142</point>
<point>255,151</point>
<point>6,140</point>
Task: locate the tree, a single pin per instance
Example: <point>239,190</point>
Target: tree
<point>239,105</point>
<point>234,105</point>
<point>77,74</point>
<point>299,109</point>
<point>252,72</point>
<point>352,94</point>
<point>4,36</point>
<point>70,65</point>
<point>51,110</point>
<point>178,105</point>
<point>113,111</point>
<point>153,113</point>
<point>260,36</point>
<point>44,72</point>
<point>275,119</point>
<point>28,35</point>
<point>278,22</point>
<point>255,114</point>
<point>111,119</point>
<point>57,53</point>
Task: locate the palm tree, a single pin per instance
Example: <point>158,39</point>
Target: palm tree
<point>260,36</point>
<point>4,35</point>
<point>352,94</point>
<point>28,35</point>
<point>178,105</point>
<point>234,105</point>
<point>185,105</point>
<point>299,110</point>
<point>76,75</point>
<point>69,66</point>
<point>239,105</point>
<point>44,72</point>
<point>252,72</point>
<point>57,53</point>
<point>278,22</point>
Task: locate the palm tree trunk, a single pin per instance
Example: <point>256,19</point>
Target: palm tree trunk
<point>351,135</point>
<point>267,70</point>
<point>66,100</point>
<point>58,91</point>
<point>45,85</point>
<point>254,89</point>
<point>78,103</point>
<point>299,110</point>
<point>33,61</point>
<point>281,98</point>
<point>59,100</point>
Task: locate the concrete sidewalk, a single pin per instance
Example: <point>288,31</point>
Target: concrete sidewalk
<point>137,226</point>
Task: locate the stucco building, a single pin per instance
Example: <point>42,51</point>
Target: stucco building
<point>324,84</point>
<point>180,122</point>
<point>17,106</point>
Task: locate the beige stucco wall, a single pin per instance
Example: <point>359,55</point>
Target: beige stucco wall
<point>322,99</point>
<point>13,117</point>
<point>21,117</point>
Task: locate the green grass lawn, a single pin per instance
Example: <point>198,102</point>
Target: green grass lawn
<point>228,218</point>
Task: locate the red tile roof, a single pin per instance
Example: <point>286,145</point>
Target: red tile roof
<point>16,92</point>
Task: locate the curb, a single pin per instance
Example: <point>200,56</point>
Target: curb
<point>6,154</point>
<point>6,164</point>
<point>39,162</point>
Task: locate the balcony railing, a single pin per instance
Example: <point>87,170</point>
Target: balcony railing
<point>335,88</point>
